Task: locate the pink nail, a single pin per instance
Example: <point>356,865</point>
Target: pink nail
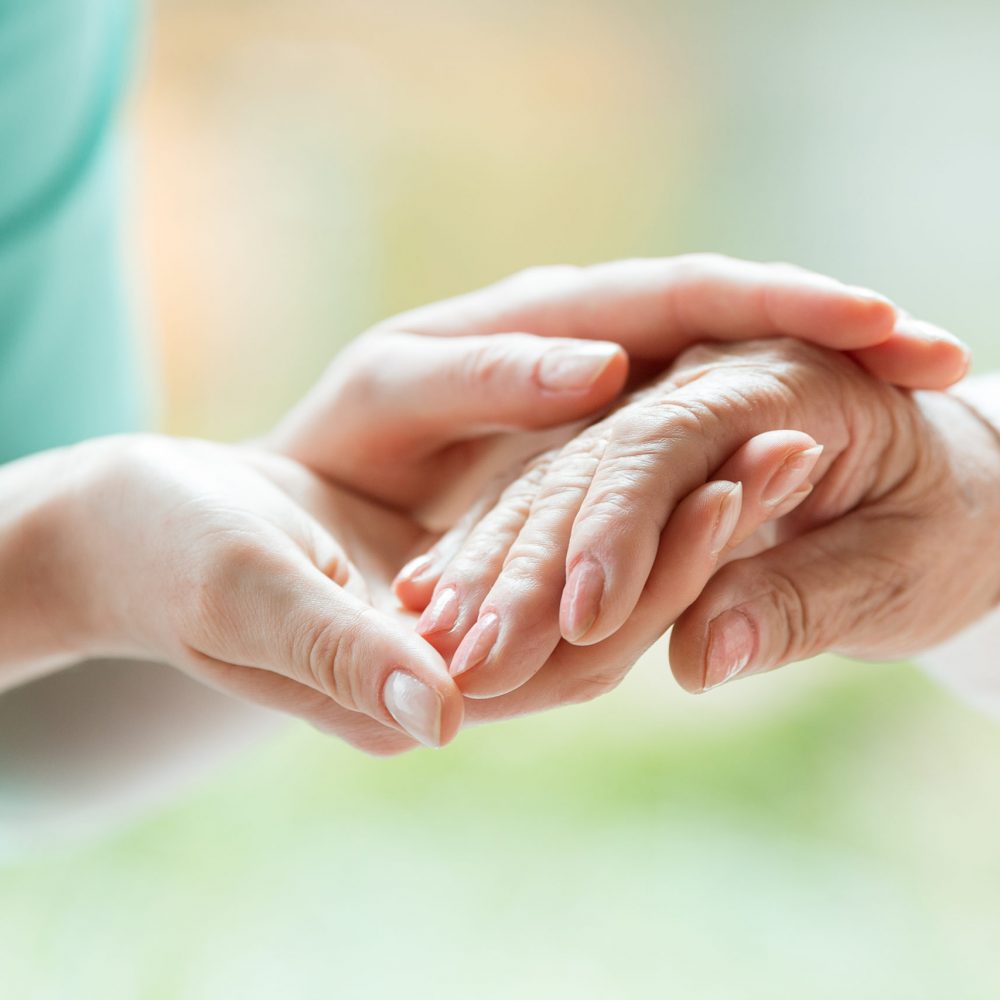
<point>729,517</point>
<point>793,473</point>
<point>415,706</point>
<point>574,369</point>
<point>416,568</point>
<point>476,646</point>
<point>441,614</point>
<point>581,600</point>
<point>731,643</point>
<point>794,500</point>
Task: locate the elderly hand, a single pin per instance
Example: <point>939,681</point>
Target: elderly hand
<point>891,548</point>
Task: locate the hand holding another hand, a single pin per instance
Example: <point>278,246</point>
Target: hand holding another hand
<point>268,575</point>
<point>882,547</point>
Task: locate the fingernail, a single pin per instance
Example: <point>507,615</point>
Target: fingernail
<point>793,473</point>
<point>581,600</point>
<point>931,334</point>
<point>731,641</point>
<point>792,501</point>
<point>476,646</point>
<point>415,706</point>
<point>416,567</point>
<point>441,614</point>
<point>573,369</point>
<point>729,516</point>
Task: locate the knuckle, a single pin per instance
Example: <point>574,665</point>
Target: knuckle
<point>789,626</point>
<point>333,656</point>
<point>528,558</point>
<point>611,504</point>
<point>799,635</point>
<point>651,431</point>
<point>360,370</point>
<point>496,531</point>
<point>483,367</point>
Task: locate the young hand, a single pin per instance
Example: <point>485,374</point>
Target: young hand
<point>238,566</point>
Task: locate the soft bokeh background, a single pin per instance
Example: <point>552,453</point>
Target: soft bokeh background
<point>309,166</point>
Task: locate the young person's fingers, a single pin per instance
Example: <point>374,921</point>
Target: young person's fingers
<point>918,355</point>
<point>283,615</point>
<point>656,308</point>
<point>272,691</point>
<point>398,390</point>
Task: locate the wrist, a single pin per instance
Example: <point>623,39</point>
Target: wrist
<point>42,589</point>
<point>98,522</point>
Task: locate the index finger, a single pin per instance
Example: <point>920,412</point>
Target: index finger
<point>655,308</point>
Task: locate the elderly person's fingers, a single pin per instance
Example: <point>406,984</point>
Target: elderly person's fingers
<point>303,702</point>
<point>774,469</point>
<point>689,554</point>
<point>909,566</point>
<point>656,308</point>
<point>895,551</point>
<point>511,591</point>
<point>488,520</point>
<point>471,558</point>
<point>657,448</point>
<point>828,589</point>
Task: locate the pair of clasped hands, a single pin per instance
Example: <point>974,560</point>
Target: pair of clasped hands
<point>550,473</point>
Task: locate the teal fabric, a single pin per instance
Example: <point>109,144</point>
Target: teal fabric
<point>69,368</point>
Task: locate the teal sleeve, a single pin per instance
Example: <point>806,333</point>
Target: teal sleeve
<point>69,367</point>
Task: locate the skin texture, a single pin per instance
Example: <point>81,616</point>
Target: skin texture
<point>431,408</point>
<point>233,564</point>
<point>893,548</point>
<point>249,573</point>
<point>268,577</point>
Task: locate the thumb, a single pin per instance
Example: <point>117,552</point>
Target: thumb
<point>826,589</point>
<point>285,616</point>
<point>454,388</point>
<point>396,391</point>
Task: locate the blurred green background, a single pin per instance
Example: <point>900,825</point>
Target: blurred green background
<point>306,167</point>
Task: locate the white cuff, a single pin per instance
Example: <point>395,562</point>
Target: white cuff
<point>969,664</point>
